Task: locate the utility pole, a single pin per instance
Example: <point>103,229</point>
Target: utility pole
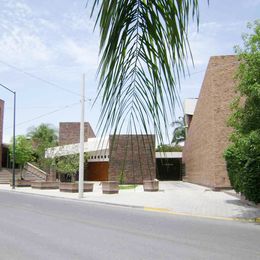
<point>14,93</point>
<point>82,128</point>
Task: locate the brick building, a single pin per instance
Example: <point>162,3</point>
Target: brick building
<point>69,132</point>
<point>1,129</point>
<point>130,155</point>
<point>208,133</point>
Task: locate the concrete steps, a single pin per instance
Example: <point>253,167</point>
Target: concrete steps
<point>32,177</point>
<point>29,173</point>
<point>6,175</point>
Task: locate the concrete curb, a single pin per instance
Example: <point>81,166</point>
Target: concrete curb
<point>145,208</point>
<point>115,204</point>
<point>78,199</point>
<point>164,210</point>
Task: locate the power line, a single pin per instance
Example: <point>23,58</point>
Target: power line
<point>88,99</point>
<point>75,93</point>
<point>34,107</point>
<point>46,114</point>
<point>39,78</point>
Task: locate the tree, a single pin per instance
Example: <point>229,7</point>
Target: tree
<point>144,50</point>
<point>179,132</point>
<point>243,154</point>
<point>69,165</point>
<point>23,151</point>
<point>44,136</point>
<point>168,148</point>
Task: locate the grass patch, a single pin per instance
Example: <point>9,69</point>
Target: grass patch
<point>127,187</point>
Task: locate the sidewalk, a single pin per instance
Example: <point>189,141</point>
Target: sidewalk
<point>174,197</point>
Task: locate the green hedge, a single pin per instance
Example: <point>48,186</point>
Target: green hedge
<point>243,154</point>
<point>243,165</point>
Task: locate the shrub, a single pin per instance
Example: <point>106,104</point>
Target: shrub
<point>168,148</point>
<point>243,165</point>
<point>243,154</point>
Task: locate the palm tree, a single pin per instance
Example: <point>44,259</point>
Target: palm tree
<point>144,50</point>
<point>179,132</point>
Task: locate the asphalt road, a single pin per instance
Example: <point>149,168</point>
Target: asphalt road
<point>35,227</point>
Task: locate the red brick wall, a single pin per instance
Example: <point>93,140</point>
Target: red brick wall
<point>69,132</point>
<point>133,154</point>
<point>208,134</point>
<point>1,129</point>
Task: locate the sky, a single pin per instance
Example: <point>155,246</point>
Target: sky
<point>46,46</point>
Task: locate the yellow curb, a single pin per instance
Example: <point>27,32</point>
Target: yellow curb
<point>156,209</point>
<point>202,216</point>
<point>251,220</point>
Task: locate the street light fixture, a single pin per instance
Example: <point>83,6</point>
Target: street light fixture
<point>14,93</point>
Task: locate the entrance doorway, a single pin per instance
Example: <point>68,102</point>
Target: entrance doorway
<point>169,169</point>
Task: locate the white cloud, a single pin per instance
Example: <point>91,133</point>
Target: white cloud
<point>21,42</point>
<point>18,7</point>
<point>213,38</point>
<point>79,22</point>
<point>251,3</point>
<point>215,27</point>
<point>31,38</point>
<point>200,48</point>
<point>46,24</point>
<point>20,47</point>
<point>81,53</point>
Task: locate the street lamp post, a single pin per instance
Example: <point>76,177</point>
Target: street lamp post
<point>14,93</point>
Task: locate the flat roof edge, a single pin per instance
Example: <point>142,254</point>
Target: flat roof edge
<point>168,155</point>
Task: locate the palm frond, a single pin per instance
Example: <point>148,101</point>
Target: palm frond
<point>143,49</point>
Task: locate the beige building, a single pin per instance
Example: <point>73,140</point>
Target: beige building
<point>207,134</point>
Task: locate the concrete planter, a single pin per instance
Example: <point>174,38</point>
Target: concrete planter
<point>45,185</point>
<point>21,183</point>
<point>151,185</point>
<point>73,187</point>
<point>110,187</point>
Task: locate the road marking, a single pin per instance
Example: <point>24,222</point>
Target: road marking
<point>156,209</point>
<point>165,210</point>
